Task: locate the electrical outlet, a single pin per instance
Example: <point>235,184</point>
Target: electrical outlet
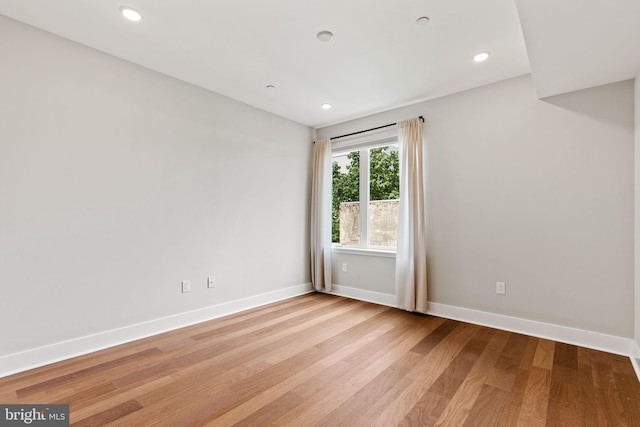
<point>211,282</point>
<point>501,288</point>
<point>344,266</point>
<point>186,286</point>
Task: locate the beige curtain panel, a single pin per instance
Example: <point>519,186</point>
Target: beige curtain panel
<point>411,254</point>
<point>321,216</point>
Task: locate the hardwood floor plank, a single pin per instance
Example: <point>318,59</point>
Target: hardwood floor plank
<point>563,408</point>
<point>324,360</point>
<point>181,409</point>
<point>427,411</point>
<point>565,355</point>
<point>349,411</point>
<point>250,386</point>
<point>419,328</point>
<point>272,318</point>
<point>489,408</point>
<point>503,374</point>
<point>87,394</point>
<point>565,364</point>
<point>223,374</point>
<point>564,396</point>
<point>544,354</point>
<point>516,397</point>
<point>458,409</point>
<point>608,396</point>
<point>467,358</point>
<point>401,346</point>
<point>234,349</point>
<point>451,378</point>
<point>109,415</point>
<point>529,353</point>
<point>513,352</point>
<point>411,396</point>
<point>432,340</point>
<point>423,375</point>
<point>102,367</point>
<point>369,366</point>
<point>58,369</point>
<point>77,363</point>
<point>429,408</point>
<point>264,415</point>
<point>533,411</point>
<point>588,411</point>
<point>491,353</point>
<point>85,409</point>
<point>313,378</point>
<point>629,391</point>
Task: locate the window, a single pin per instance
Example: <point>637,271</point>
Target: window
<point>366,188</point>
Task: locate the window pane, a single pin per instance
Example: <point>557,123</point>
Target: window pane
<point>384,191</point>
<point>345,224</point>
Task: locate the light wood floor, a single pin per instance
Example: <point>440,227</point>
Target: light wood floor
<point>321,360</point>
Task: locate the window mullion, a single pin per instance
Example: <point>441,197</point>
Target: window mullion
<point>364,197</point>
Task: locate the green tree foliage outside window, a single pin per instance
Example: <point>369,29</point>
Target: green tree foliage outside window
<point>384,183</point>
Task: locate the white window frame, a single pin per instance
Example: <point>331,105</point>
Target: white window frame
<point>363,143</point>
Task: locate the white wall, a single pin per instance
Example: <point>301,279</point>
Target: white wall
<point>372,273</point>
<point>535,193</point>
<point>637,215</point>
<point>117,182</point>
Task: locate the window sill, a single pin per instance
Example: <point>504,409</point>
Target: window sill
<point>384,253</point>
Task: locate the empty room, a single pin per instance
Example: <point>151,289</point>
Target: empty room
<point>338,213</point>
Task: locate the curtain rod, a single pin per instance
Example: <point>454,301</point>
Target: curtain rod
<point>368,130</point>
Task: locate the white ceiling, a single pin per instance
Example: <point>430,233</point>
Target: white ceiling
<point>576,44</point>
<point>379,58</point>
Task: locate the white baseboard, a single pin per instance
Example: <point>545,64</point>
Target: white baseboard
<point>22,361</point>
<point>635,358</point>
<point>636,366</point>
<point>29,359</point>
<point>363,295</point>
<point>595,340</point>
<point>580,337</point>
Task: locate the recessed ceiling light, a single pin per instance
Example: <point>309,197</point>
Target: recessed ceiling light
<point>271,87</point>
<point>325,106</point>
<point>130,14</point>
<point>324,36</point>
<point>481,56</point>
<point>423,20</point>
